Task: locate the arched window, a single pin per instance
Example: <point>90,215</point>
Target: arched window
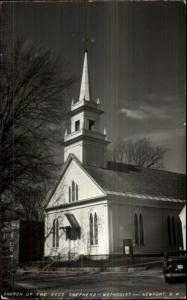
<point>73,191</point>
<point>95,229</point>
<point>173,231</point>
<point>69,194</point>
<point>77,192</point>
<point>141,229</point>
<point>169,230</point>
<point>55,233</point>
<point>136,235</point>
<point>91,229</point>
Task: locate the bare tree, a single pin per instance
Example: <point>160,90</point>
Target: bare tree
<point>33,103</point>
<point>141,153</point>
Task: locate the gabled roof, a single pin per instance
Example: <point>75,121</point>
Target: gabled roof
<point>121,178</point>
<point>143,181</point>
<point>67,163</point>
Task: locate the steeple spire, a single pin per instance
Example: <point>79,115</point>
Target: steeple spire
<point>85,87</point>
<point>84,135</point>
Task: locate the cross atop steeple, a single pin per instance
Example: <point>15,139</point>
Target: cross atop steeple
<point>85,84</point>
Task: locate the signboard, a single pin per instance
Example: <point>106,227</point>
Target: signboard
<point>127,247</point>
<point>127,250</point>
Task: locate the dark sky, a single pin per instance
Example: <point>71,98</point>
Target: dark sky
<point>136,60</point>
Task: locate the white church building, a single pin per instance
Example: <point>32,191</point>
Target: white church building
<point>99,207</point>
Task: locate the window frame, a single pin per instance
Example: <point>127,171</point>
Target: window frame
<point>141,230</point>
<point>169,230</point>
<point>77,125</point>
<point>76,192</point>
<point>70,194</point>
<point>55,240</point>
<point>91,230</point>
<point>92,126</point>
<point>73,191</point>
<point>95,229</point>
<point>173,231</point>
<point>136,230</point>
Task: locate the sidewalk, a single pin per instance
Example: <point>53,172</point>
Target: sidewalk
<point>85,270</point>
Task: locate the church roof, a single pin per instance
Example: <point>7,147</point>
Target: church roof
<point>123,178</point>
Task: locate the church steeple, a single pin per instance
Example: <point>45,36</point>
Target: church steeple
<point>85,140</point>
<point>85,84</point>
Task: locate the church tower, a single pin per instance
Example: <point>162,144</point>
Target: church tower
<point>85,140</point>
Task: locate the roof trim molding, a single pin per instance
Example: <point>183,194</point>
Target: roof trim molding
<point>74,205</point>
<point>84,137</point>
<point>85,108</point>
<point>142,196</point>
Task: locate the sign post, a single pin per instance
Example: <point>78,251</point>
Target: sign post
<point>127,250</point>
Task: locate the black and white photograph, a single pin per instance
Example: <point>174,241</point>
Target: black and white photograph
<point>92,149</point>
